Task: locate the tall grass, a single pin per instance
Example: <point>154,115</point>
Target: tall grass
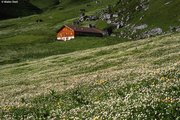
<point>133,81</point>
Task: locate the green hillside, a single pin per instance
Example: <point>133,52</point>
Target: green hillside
<point>121,76</point>
<point>132,80</point>
<point>44,4</point>
<point>25,39</point>
<point>156,13</point>
<point>163,14</point>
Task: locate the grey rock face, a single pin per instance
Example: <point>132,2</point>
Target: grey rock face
<point>178,29</point>
<point>115,15</point>
<point>153,32</point>
<point>141,27</point>
<point>167,3</point>
<point>174,29</point>
<point>107,16</point>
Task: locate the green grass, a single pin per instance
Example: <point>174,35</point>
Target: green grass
<point>88,77</point>
<point>158,15</point>
<point>24,39</point>
<point>44,4</point>
<point>167,15</point>
<point>102,24</point>
<point>30,47</point>
<point>121,81</point>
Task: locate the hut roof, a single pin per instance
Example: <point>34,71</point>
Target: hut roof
<point>83,29</point>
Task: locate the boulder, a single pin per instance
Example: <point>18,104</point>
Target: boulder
<point>153,32</point>
<point>115,15</point>
<point>141,27</point>
<point>178,29</point>
<point>167,3</point>
<point>174,29</point>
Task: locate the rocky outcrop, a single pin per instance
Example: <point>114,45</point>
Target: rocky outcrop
<point>153,32</point>
<point>174,28</point>
<point>141,27</point>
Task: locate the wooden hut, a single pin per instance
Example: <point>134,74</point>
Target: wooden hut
<point>68,32</point>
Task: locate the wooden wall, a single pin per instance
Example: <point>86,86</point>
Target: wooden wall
<point>65,32</point>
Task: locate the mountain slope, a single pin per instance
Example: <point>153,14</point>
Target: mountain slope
<point>26,39</point>
<point>132,80</point>
<point>44,4</point>
<point>143,18</point>
<point>159,13</point>
<point>90,78</point>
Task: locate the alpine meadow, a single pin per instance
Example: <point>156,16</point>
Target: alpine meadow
<point>90,60</point>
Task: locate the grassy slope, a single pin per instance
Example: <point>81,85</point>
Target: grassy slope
<point>159,14</point>
<point>39,47</point>
<point>124,80</point>
<point>24,39</point>
<point>44,4</point>
<point>166,16</point>
<point>137,79</point>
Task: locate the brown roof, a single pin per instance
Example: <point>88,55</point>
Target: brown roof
<point>84,29</point>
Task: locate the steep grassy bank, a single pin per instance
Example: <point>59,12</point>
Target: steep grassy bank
<point>90,78</point>
<point>141,18</point>
<point>30,47</point>
<point>44,4</point>
<point>154,13</point>
<point>24,39</point>
<point>131,80</point>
